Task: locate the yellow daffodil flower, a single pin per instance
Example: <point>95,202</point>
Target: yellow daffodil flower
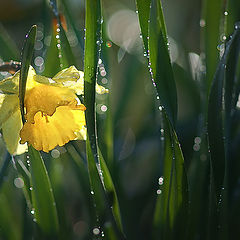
<point>54,114</point>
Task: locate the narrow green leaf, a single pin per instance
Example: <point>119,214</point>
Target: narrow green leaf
<point>222,105</point>
<point>212,14</point>
<point>92,44</point>
<point>218,114</point>
<point>172,199</point>
<point>106,219</point>
<point>143,7</point>
<point>111,191</point>
<point>43,201</point>
<point>93,32</point>
<point>27,54</point>
<point>92,48</point>
<point>108,138</point>
<point>96,184</point>
<point>160,64</point>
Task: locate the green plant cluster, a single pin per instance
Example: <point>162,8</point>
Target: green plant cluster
<point>161,159</point>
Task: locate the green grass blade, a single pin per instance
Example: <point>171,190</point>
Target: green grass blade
<point>92,41</point>
<point>160,65</point>
<point>111,191</point>
<point>96,185</point>
<point>27,54</point>
<point>172,202</point>
<point>212,14</point>
<point>172,199</point>
<point>43,201</point>
<point>220,117</point>
<point>92,47</point>
<point>143,7</point>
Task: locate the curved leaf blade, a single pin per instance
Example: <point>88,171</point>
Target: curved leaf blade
<point>42,196</point>
<point>143,7</point>
<point>172,200</point>
<point>160,64</point>
<point>27,54</point>
<point>212,12</point>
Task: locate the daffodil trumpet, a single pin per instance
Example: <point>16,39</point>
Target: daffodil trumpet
<point>53,112</point>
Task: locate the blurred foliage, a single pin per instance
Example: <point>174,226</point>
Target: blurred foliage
<point>129,122</point>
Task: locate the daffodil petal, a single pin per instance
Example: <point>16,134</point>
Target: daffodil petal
<point>10,130</point>
<point>73,79</point>
<point>68,74</point>
<point>10,85</point>
<point>46,99</point>
<point>48,132</point>
<point>9,104</point>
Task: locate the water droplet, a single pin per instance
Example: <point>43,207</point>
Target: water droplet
<point>92,192</point>
<point>38,45</point>
<point>32,211</point>
<point>30,188</point>
<point>159,191</point>
<point>18,182</point>
<point>197,140</point>
<point>237,25</point>
<point>223,38</point>
<point>38,61</point>
<point>225,13</point>
<point>104,108</point>
<point>55,153</point>
<point>160,108</point>
<point>196,147</point>
<point>104,81</point>
<point>160,181</point>
<point>202,23</point>
<point>96,231</point>
<point>136,11</point>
